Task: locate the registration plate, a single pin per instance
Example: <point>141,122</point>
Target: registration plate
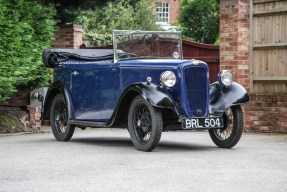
<point>211,122</point>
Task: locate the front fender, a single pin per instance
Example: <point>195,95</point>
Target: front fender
<point>222,97</point>
<point>152,93</point>
<point>157,97</point>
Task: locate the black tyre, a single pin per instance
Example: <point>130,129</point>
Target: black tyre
<point>59,117</point>
<point>230,135</point>
<point>144,124</point>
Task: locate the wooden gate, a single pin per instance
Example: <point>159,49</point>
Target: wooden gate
<point>204,52</point>
<point>268,27</point>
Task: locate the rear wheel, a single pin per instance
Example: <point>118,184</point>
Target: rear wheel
<point>144,124</point>
<point>59,118</point>
<point>229,136</point>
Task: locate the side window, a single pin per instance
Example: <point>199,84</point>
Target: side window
<point>162,12</point>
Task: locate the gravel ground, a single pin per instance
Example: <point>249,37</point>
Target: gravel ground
<point>106,160</point>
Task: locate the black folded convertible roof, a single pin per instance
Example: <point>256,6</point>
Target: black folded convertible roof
<point>54,56</point>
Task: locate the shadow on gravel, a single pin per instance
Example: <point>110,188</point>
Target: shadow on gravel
<point>176,146</point>
<point>126,142</point>
<point>104,141</point>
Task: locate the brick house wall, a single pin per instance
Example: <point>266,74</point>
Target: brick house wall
<point>265,113</point>
<point>174,9</point>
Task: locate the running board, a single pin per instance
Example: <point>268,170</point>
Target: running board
<point>87,123</point>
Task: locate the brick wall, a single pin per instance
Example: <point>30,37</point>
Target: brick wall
<point>265,113</point>
<point>68,36</point>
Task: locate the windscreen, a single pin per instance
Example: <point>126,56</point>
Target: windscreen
<point>147,44</point>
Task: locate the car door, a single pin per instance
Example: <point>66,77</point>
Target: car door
<point>92,90</point>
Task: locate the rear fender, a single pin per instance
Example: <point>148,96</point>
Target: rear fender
<point>222,97</point>
<point>54,89</point>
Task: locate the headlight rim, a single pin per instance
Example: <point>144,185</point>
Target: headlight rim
<point>163,78</point>
<point>221,76</point>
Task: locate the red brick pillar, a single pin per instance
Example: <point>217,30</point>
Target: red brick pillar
<point>234,37</point>
<point>68,36</point>
<point>234,41</point>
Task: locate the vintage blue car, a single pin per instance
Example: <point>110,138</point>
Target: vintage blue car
<point>144,84</point>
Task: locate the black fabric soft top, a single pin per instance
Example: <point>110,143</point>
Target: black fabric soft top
<point>54,56</point>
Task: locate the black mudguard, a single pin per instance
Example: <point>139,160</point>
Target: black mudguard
<point>152,93</point>
<point>222,97</point>
<point>157,97</point>
<point>54,89</point>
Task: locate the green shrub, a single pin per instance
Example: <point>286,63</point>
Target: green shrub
<point>27,28</point>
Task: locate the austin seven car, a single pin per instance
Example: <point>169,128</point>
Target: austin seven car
<point>142,84</point>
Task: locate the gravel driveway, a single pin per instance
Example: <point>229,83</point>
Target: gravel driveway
<point>105,160</point>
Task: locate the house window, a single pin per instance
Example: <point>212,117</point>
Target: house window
<point>162,12</point>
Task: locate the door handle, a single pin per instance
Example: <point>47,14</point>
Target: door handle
<point>75,73</point>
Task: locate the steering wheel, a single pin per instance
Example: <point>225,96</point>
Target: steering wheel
<point>126,55</point>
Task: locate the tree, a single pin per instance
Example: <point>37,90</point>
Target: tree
<point>27,28</point>
<point>69,10</point>
<point>133,15</point>
<point>199,20</point>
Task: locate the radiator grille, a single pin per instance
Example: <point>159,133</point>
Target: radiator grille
<point>196,90</point>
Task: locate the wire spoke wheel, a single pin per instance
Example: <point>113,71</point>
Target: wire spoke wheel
<point>59,118</point>
<point>224,134</point>
<point>144,124</point>
<point>229,136</point>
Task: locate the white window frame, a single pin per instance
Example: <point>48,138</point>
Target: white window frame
<point>162,12</point>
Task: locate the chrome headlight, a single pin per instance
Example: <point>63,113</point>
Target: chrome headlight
<point>168,78</point>
<point>225,78</point>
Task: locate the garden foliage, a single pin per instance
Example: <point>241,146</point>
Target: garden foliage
<point>99,23</point>
<point>199,20</point>
<point>27,28</point>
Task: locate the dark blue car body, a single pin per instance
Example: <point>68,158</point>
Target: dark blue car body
<point>98,90</point>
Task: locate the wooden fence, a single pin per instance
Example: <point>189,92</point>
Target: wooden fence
<point>268,28</point>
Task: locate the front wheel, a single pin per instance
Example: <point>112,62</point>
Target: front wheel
<point>144,124</point>
<point>58,116</point>
<point>229,136</point>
